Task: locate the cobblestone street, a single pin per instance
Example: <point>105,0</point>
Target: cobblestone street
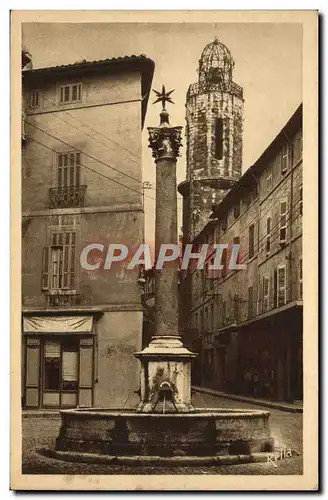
<point>286,428</point>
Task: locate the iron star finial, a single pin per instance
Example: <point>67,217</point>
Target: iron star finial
<point>163,96</point>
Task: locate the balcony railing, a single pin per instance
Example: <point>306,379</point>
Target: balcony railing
<point>196,88</point>
<point>63,300</point>
<point>67,196</point>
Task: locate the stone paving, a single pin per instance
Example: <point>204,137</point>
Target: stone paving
<point>286,428</point>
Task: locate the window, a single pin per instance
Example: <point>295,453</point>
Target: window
<point>251,241</point>
<point>236,241</point>
<point>52,366</point>
<point>236,210</point>
<point>34,99</point>
<point>300,203</point>
<point>61,372</point>
<point>211,317</point>
<point>297,149</point>
<point>283,222</point>
<point>224,224</point>
<point>224,261</point>
<point>266,291</point>
<point>246,198</point>
<point>268,235</point>
<point>268,182</point>
<point>68,171</point>
<point>301,278</point>
<point>284,157</point>
<point>281,285</point>
<point>206,318</point>
<point>236,303</point>
<point>219,138</point>
<point>71,93</point>
<point>224,312</point>
<point>250,302</point>
<point>59,263</point>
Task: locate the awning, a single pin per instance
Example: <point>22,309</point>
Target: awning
<point>58,324</point>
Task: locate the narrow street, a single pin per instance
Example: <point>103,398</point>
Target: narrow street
<point>286,428</point>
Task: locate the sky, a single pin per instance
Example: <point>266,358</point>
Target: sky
<point>268,65</point>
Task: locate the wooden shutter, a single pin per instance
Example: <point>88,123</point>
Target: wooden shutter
<point>284,157</point>
<point>236,241</point>
<point>281,285</point>
<point>32,374</point>
<point>45,268</point>
<point>266,292</point>
<point>283,222</point>
<point>66,262</point>
<point>275,288</point>
<point>86,375</point>
<point>72,262</point>
<point>250,301</point>
<point>268,234</point>
<point>251,234</point>
<point>224,260</point>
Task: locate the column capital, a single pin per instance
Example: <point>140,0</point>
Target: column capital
<point>165,142</point>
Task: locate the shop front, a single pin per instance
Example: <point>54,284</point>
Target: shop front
<point>59,361</point>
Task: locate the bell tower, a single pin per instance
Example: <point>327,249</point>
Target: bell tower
<point>214,116</point>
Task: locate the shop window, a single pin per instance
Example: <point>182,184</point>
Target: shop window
<point>70,370</point>
<point>52,366</point>
<point>66,375</point>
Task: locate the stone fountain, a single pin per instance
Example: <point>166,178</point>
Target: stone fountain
<point>165,426</point>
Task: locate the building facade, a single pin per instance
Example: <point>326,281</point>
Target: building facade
<point>247,324</point>
<point>81,185</point>
<point>214,124</point>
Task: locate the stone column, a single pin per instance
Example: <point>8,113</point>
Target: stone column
<point>165,363</point>
<point>165,142</point>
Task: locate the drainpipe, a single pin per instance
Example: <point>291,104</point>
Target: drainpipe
<point>290,294</point>
<point>289,257</point>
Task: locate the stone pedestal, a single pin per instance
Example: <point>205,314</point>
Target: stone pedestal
<point>165,376</point>
<point>165,363</point>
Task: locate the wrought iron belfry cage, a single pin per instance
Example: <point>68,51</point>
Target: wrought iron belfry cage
<point>215,67</point>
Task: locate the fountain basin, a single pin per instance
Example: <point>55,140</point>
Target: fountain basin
<point>200,433</point>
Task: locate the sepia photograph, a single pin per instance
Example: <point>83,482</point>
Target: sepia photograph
<point>158,201</point>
